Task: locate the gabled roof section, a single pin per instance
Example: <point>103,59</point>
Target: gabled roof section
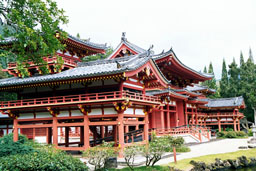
<point>167,91</point>
<point>125,44</point>
<point>200,88</point>
<point>125,65</point>
<point>82,43</point>
<point>225,102</point>
<point>180,66</point>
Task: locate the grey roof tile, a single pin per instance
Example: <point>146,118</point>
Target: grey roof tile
<point>86,69</point>
<point>197,87</point>
<point>225,102</point>
<point>167,90</point>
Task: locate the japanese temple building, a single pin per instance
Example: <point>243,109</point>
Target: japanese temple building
<point>123,98</point>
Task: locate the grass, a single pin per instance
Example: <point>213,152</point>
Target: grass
<point>184,164</point>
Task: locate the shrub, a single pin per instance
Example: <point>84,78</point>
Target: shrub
<point>42,160</point>
<point>229,129</point>
<point>98,155</point>
<point>129,154</point>
<point>231,134</point>
<point>241,134</point>
<point>221,134</point>
<point>8,147</point>
<point>250,132</point>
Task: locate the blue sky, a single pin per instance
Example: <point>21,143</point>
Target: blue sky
<point>200,31</point>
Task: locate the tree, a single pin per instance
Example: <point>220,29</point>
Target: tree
<point>98,56</point>
<point>233,72</point>
<point>224,80</point>
<point>33,26</point>
<point>241,59</point>
<point>250,55</point>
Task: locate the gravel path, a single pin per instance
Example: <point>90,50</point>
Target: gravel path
<point>214,147</point>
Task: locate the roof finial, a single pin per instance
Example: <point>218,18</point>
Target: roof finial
<point>162,51</point>
<point>151,47</point>
<point>123,36</point>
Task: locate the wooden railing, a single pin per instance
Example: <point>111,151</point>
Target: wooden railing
<point>196,131</point>
<point>78,99</point>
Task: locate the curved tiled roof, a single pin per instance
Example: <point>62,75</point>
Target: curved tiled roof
<point>224,102</point>
<point>10,40</point>
<point>87,69</point>
<point>167,90</point>
<point>130,45</point>
<point>197,87</point>
<point>169,52</point>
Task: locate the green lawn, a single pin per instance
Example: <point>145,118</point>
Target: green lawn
<point>184,164</point>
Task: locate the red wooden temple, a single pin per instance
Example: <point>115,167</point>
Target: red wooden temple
<point>123,99</point>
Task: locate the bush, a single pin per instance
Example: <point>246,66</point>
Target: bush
<point>8,147</point>
<point>221,134</point>
<point>42,160</point>
<point>229,129</point>
<point>99,155</point>
<point>231,134</point>
<point>250,133</point>
<point>241,134</point>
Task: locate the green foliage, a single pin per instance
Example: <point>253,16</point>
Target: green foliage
<point>33,24</point>
<point>147,168</point>
<point>224,80</point>
<point>98,56</point>
<point>8,147</point>
<point>158,146</point>
<point>43,160</point>
<point>98,155</point>
<point>129,154</point>
<point>231,134</point>
<point>250,133</point>
<point>28,155</point>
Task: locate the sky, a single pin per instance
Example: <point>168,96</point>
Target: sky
<point>199,31</point>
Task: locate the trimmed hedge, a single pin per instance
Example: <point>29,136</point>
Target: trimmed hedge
<point>231,134</point>
<point>57,161</point>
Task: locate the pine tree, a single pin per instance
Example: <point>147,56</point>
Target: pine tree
<point>224,81</point>
<point>251,56</point>
<point>205,69</point>
<point>241,59</point>
<point>233,79</point>
<point>212,82</point>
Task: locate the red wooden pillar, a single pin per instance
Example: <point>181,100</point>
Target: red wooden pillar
<point>186,114</point>
<point>235,124</point>
<point>66,136</point>
<point>55,130</point>
<point>238,125</point>
<point>15,130</point>
<point>192,117</point>
<point>34,133</point>
<point>205,122</point>
<point>219,124</point>
<point>196,117</point>
<point>86,132</point>
<point>136,127</point>
<point>168,117</point>
<point>162,117</point>
<point>146,128</point>
<point>49,135</point>
<point>153,118</point>
<point>121,132</point>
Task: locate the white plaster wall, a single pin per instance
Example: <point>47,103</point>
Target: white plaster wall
<point>139,112</point>
<point>41,139</point>
<point>76,113</point>
<point>43,115</point>
<point>96,112</point>
<point>109,111</point>
<point>128,111</point>
<point>26,116</point>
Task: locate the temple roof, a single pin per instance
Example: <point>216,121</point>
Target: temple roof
<point>10,40</point>
<point>128,44</point>
<point>171,52</point>
<point>197,87</point>
<point>224,102</point>
<point>164,91</point>
<point>3,116</point>
<point>88,69</point>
